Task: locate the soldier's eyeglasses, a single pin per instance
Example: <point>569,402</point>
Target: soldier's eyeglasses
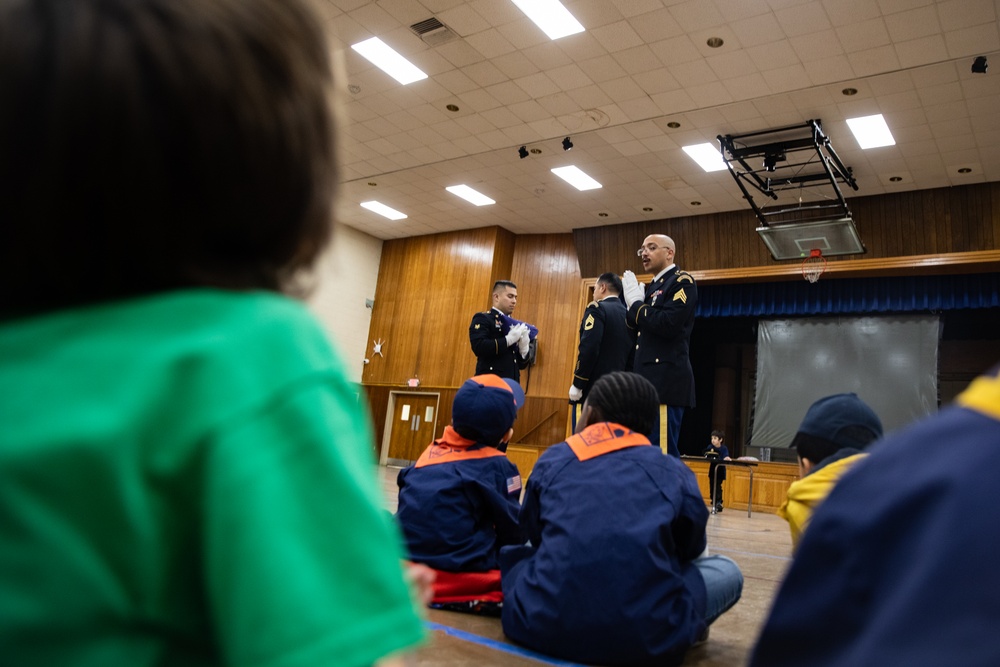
<point>649,249</point>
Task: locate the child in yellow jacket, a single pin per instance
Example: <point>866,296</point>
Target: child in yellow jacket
<point>829,442</point>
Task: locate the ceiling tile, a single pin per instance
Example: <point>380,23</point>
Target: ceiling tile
<point>617,37</point>
<point>656,25</point>
<point>696,15</point>
<point>537,85</point>
<point>464,20</point>
<point>639,59</point>
<point>817,45</point>
<point>640,66</point>
<point>490,43</point>
<point>803,19</point>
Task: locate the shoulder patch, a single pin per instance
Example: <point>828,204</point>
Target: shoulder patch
<point>684,277</point>
<point>594,304</point>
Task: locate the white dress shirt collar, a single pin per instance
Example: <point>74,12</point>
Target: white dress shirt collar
<point>660,274</point>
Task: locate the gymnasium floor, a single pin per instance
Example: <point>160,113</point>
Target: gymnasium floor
<point>760,544</point>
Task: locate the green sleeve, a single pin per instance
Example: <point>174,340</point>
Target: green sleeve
<point>303,563</point>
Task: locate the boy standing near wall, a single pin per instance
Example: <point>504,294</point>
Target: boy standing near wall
<point>717,452</point>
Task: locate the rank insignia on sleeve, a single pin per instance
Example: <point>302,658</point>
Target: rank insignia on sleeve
<point>477,325</point>
<point>588,323</point>
<point>681,296</point>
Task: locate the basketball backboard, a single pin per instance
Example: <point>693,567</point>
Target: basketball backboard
<point>797,240</point>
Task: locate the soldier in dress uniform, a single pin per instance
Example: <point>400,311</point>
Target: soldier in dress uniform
<point>606,342</point>
<point>662,315</point>
<point>500,348</point>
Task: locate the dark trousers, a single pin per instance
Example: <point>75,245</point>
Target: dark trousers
<point>716,487</point>
<point>667,429</point>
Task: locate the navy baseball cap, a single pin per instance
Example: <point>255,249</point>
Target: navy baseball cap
<point>485,408</point>
<point>838,419</point>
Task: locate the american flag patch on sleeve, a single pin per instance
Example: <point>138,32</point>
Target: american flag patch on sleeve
<point>513,484</point>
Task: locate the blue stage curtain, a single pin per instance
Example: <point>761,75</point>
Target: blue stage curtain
<point>850,295</point>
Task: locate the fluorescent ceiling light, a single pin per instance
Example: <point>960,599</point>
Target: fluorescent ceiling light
<point>382,56</point>
<point>470,195</point>
<point>550,15</point>
<point>871,131</point>
<point>382,209</point>
<point>576,178</point>
<point>708,156</point>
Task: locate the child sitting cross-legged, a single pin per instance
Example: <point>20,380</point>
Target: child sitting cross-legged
<point>458,503</point>
<point>616,571</point>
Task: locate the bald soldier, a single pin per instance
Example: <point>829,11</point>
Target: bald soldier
<point>662,315</point>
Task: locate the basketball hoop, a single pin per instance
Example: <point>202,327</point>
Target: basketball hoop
<point>814,265</point>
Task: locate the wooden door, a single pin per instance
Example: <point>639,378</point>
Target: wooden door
<point>412,425</point>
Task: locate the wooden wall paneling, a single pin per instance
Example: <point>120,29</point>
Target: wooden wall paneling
<point>770,485</point>
<point>724,246</point>
<point>980,235</point>
<point>877,237</point>
<point>932,224</point>
<point>548,277</point>
<point>606,248</point>
<point>898,221</point>
<point>926,222</point>
<point>396,310</point>
<point>962,224</point>
<point>428,289</point>
<point>983,227</point>
<point>504,243</point>
<point>993,201</point>
<point>460,285</point>
<point>542,421</point>
<point>524,458</point>
<point>948,221</point>
<point>378,404</point>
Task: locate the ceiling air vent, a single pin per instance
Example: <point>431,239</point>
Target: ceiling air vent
<point>433,32</point>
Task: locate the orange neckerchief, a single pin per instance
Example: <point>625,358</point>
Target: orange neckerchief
<point>453,447</point>
<point>604,437</point>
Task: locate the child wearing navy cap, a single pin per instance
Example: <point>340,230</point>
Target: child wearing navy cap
<point>458,504</point>
<point>829,442</point>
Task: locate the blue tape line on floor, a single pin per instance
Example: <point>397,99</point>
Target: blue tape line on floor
<point>500,646</point>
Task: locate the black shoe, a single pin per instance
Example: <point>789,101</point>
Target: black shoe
<point>718,508</point>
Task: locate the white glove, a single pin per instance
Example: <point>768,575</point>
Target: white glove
<point>524,343</point>
<point>633,290</point>
<point>514,335</point>
<point>575,393</point>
